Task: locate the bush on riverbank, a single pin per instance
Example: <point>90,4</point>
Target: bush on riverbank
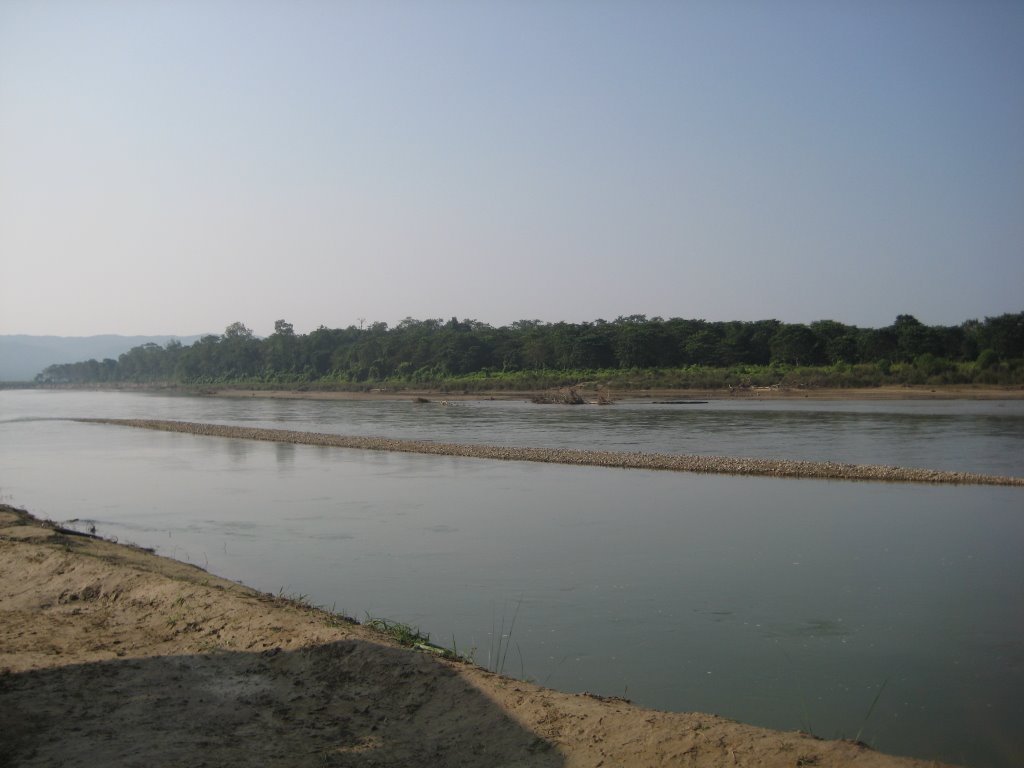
<point>925,371</point>
<point>629,353</point>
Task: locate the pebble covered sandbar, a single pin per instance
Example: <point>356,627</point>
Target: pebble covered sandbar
<point>824,470</point>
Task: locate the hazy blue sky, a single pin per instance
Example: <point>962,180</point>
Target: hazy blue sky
<point>173,166</point>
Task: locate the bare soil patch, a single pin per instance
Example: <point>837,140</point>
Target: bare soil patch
<point>110,655</point>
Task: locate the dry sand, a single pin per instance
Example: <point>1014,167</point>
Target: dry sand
<point>112,656</point>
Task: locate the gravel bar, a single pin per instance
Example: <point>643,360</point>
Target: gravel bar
<point>826,470</point>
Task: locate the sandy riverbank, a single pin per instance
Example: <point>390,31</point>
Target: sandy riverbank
<point>110,655</point>
<point>950,392</point>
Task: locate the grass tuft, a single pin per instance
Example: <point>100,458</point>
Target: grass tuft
<point>496,657</point>
<point>409,636</point>
<point>870,710</point>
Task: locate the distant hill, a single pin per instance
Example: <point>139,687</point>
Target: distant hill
<point>22,357</point>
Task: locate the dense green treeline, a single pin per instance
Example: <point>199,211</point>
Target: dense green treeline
<point>631,351</point>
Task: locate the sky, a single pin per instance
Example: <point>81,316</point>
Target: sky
<point>173,166</point>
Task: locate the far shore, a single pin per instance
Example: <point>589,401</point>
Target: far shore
<point>926,392</point>
<point>590,393</point>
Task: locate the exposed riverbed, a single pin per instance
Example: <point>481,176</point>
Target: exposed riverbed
<point>725,465</point>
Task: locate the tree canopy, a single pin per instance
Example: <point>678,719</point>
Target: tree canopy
<point>425,351</point>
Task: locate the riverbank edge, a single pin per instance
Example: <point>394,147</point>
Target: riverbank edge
<point>591,394</point>
<point>89,626</point>
<point>610,396</point>
<point>727,465</point>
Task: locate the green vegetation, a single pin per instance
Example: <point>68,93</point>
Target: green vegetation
<point>411,637</point>
<point>628,353</point>
<point>497,656</point>
<point>871,709</point>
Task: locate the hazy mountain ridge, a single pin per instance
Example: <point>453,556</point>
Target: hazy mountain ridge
<point>23,356</point>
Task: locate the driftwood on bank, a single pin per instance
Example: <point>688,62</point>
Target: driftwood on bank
<point>571,396</point>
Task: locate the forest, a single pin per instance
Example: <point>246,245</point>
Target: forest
<point>628,352</point>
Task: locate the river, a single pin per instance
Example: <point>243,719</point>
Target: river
<point>891,611</point>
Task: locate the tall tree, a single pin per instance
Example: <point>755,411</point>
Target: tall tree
<point>796,344</point>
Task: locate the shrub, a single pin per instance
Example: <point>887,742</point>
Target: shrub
<point>988,358</point>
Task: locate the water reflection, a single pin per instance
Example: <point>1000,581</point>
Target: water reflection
<point>237,450</point>
<point>285,455</point>
<point>974,436</point>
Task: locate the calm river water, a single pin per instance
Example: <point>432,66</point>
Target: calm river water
<point>785,603</point>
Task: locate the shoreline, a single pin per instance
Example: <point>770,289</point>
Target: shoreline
<point>113,655</point>
<point>922,392</point>
<point>725,465</point>
<point>881,393</point>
